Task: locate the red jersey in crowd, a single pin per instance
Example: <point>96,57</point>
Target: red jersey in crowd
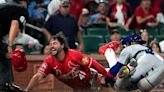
<point>126,11</point>
<point>140,12</point>
<point>76,8</point>
<point>75,65</point>
<point>156,5</point>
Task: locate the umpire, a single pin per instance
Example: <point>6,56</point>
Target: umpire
<point>12,17</point>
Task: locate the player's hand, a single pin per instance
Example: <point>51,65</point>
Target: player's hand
<point>151,24</point>
<point>126,27</point>
<point>25,90</point>
<point>150,17</point>
<point>65,77</point>
<point>102,80</point>
<point>124,72</point>
<point>9,54</point>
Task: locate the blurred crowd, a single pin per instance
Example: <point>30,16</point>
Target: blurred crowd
<point>73,17</point>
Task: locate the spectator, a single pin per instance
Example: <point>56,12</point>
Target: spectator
<point>119,14</point>
<point>25,39</point>
<point>76,7</point>
<point>91,5</point>
<point>156,5</point>
<point>160,15</point>
<point>115,35</point>
<point>46,50</point>
<point>155,47</point>
<point>83,19</point>
<point>100,15</point>
<point>64,22</point>
<point>52,8</point>
<point>145,16</point>
<point>157,50</point>
<point>145,37</point>
<point>37,12</point>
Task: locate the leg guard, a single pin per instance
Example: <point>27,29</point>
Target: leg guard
<point>144,85</point>
<point>121,83</point>
<point>154,78</point>
<point>110,57</point>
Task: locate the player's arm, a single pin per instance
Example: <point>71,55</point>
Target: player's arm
<point>122,61</point>
<point>88,62</point>
<point>99,67</point>
<point>80,39</point>
<point>46,33</point>
<point>14,29</point>
<point>141,20</point>
<point>47,28</point>
<point>43,71</point>
<point>112,24</point>
<point>34,81</point>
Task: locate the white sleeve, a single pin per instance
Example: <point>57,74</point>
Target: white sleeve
<point>2,1</point>
<point>161,44</point>
<point>160,18</point>
<point>53,6</point>
<point>124,56</point>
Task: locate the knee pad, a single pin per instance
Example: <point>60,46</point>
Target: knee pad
<point>144,85</point>
<point>121,83</point>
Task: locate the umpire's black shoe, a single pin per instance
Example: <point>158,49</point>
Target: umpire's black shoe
<point>12,88</point>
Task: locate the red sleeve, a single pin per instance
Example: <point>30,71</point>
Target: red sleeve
<point>88,62</point>
<point>99,68</point>
<point>44,68</point>
<point>83,60</point>
<point>138,11</point>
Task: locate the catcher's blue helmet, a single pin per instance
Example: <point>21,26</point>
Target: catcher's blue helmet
<point>132,38</point>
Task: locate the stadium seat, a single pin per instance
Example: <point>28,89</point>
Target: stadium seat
<point>97,31</point>
<point>159,37</point>
<point>152,31</point>
<point>27,49</point>
<point>151,37</point>
<point>107,38</point>
<point>100,25</point>
<point>91,43</point>
<point>84,32</point>
<point>161,29</point>
<point>124,32</point>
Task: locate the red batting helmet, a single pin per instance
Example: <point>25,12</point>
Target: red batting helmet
<point>19,60</point>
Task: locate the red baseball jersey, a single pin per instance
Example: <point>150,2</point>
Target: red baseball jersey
<point>140,12</point>
<point>76,66</point>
